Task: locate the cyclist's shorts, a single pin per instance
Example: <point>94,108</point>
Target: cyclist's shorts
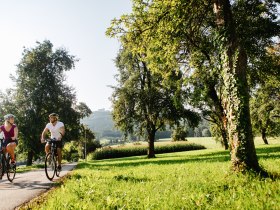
<point>7,141</point>
<point>58,144</point>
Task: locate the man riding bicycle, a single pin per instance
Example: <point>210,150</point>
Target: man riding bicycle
<point>10,132</point>
<point>57,131</point>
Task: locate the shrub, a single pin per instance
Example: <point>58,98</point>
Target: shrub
<point>179,134</point>
<point>70,151</point>
<point>109,152</point>
<point>92,145</point>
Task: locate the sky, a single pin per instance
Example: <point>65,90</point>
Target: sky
<point>78,26</point>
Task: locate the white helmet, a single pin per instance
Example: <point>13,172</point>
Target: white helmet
<point>8,116</point>
<point>53,115</point>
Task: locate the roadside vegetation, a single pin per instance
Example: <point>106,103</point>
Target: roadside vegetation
<point>198,179</point>
<point>139,149</point>
<point>24,168</point>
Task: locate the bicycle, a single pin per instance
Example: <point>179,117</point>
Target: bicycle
<point>5,164</point>
<point>51,160</point>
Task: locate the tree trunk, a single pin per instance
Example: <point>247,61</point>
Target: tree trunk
<point>219,110</point>
<point>151,143</point>
<point>243,153</point>
<point>235,95</point>
<point>264,136</point>
<point>29,158</point>
<point>224,136</point>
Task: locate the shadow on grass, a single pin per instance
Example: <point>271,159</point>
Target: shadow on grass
<point>264,151</point>
<point>219,156</point>
<point>142,160</point>
<point>129,178</point>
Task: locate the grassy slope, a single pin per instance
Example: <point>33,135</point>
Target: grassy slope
<point>184,180</point>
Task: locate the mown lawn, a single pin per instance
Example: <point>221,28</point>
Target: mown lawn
<point>185,180</point>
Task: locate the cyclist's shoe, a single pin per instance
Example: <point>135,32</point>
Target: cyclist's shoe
<point>59,167</point>
<point>13,164</point>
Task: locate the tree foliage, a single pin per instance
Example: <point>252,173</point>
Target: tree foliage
<point>264,104</point>
<point>142,101</point>
<point>214,41</point>
<point>40,89</point>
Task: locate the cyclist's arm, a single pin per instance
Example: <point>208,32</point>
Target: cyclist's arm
<point>44,133</point>
<point>62,132</point>
<point>15,134</point>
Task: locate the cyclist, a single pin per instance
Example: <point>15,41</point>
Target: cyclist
<point>57,131</point>
<point>10,132</point>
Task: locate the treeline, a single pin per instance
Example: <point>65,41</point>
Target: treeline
<point>102,124</point>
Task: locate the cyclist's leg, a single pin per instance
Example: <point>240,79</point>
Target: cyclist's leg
<point>59,156</point>
<point>47,148</point>
<point>59,153</point>
<point>11,150</point>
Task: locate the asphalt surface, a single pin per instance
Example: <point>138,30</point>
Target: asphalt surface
<point>27,186</point>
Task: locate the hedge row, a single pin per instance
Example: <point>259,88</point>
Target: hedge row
<point>119,152</point>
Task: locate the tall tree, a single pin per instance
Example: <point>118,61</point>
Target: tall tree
<point>235,94</point>
<point>40,89</point>
<point>185,29</point>
<point>264,103</point>
<point>142,102</point>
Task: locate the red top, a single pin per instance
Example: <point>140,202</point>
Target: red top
<point>8,134</point>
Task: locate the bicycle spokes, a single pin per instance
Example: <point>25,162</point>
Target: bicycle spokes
<point>50,166</point>
<point>57,171</point>
<point>11,169</point>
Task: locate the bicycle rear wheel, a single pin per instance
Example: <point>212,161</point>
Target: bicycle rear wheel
<point>50,166</point>
<point>11,169</point>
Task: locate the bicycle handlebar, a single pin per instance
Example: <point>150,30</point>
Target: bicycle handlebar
<point>50,140</point>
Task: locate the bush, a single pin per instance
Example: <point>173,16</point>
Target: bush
<point>93,145</point>
<point>179,134</point>
<point>70,151</point>
<point>109,152</point>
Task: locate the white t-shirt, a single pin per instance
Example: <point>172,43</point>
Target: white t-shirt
<point>55,130</point>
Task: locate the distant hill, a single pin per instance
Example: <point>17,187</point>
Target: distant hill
<point>100,121</point>
<point>102,124</point>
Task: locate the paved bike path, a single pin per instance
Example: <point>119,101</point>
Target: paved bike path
<point>26,186</point>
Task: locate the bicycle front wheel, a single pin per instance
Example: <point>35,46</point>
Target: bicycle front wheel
<point>57,171</point>
<point>50,166</point>
<point>11,169</point>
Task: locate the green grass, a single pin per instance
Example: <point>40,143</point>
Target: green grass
<point>185,180</point>
<point>21,169</point>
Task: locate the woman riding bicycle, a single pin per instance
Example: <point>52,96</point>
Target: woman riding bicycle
<point>10,132</point>
<point>56,128</point>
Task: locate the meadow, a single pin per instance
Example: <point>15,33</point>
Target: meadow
<point>199,179</point>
